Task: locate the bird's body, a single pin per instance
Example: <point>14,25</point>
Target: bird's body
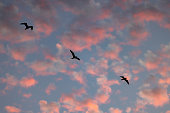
<point>125,79</point>
<point>74,56</point>
<point>26,26</point>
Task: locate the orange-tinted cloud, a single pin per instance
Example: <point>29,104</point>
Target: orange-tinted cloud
<point>52,107</point>
<point>149,15</point>
<point>27,95</point>
<point>135,53</point>
<point>155,96</point>
<point>115,110</point>
<point>128,109</point>
<point>98,68</point>
<point>27,82</point>
<point>78,40</point>
<point>20,52</point>
<point>168,111</point>
<point>164,81</point>
<point>113,52</point>
<point>10,81</point>
<point>51,87</point>
<point>12,109</point>
<point>47,67</point>
<point>78,76</point>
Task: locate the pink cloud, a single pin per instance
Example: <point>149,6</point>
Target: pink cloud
<point>113,52</point>
<point>168,111</point>
<point>135,78</point>
<point>27,82</point>
<point>78,40</point>
<point>155,96</point>
<point>52,107</point>
<point>152,60</point>
<point>47,67</point>
<point>20,52</point>
<point>73,105</point>
<point>128,109</point>
<point>135,53</point>
<point>27,95</point>
<point>115,110</point>
<point>102,98</point>
<point>10,80</point>
<point>51,87</point>
<point>164,81</point>
<point>98,68</point>
<point>12,109</point>
<point>44,28</point>
<point>78,76</point>
<point>149,15</point>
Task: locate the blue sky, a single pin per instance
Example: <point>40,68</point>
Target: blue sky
<point>112,38</point>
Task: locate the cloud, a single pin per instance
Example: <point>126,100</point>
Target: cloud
<point>27,82</point>
<point>12,109</point>
<point>138,34</point>
<point>46,67</point>
<point>128,109</point>
<point>72,104</point>
<point>20,52</point>
<point>10,80</point>
<point>121,68</point>
<point>165,81</point>
<point>51,87</point>
<point>27,95</point>
<point>98,68</point>
<point>152,60</point>
<point>135,53</point>
<point>112,52</point>
<point>52,107</point>
<point>149,14</point>
<point>78,76</point>
<point>168,111</point>
<point>115,110</point>
<point>104,91</point>
<point>155,96</point>
<point>79,39</point>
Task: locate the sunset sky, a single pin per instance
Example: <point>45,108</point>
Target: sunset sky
<point>112,38</point>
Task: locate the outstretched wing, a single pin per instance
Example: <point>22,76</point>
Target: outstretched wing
<point>122,76</point>
<point>72,53</point>
<point>24,24</point>
<point>31,27</point>
<point>77,58</point>
<point>127,81</point>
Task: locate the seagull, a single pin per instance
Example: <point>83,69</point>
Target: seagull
<point>74,57</point>
<point>26,25</point>
<point>125,79</point>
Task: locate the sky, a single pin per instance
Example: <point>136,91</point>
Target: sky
<point>112,38</point>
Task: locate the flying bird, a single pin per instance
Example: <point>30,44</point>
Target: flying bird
<point>74,56</point>
<point>26,25</point>
<point>125,79</point>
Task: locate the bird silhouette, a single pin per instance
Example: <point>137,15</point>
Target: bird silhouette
<point>74,56</point>
<point>125,79</point>
<point>26,25</point>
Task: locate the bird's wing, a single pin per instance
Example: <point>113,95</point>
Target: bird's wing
<point>122,76</point>
<point>127,81</point>
<point>77,58</point>
<point>24,24</point>
<point>72,53</point>
<point>31,27</point>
